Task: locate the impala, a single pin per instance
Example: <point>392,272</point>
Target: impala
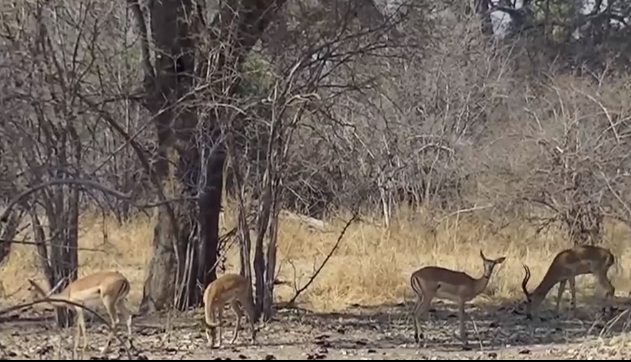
<point>232,289</point>
<point>565,266</point>
<point>108,287</point>
<point>436,282</point>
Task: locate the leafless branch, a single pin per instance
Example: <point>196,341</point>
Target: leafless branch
<point>325,261</point>
<point>87,183</point>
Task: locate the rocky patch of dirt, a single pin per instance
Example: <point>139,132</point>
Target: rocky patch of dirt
<point>357,334</point>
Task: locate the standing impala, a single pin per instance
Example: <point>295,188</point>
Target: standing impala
<point>435,282</point>
<point>231,289</point>
<point>108,287</point>
<point>565,266</point>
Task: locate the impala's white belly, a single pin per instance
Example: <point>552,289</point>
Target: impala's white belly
<point>447,292</point>
<point>90,303</point>
<point>89,297</point>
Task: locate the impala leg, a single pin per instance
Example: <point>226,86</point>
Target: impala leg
<point>237,310</point>
<point>211,331</point>
<point>463,333</point>
<point>427,303</point>
<point>82,330</point>
<point>415,316</point>
<point>424,314</point>
<point>210,337</point>
<point>610,291</point>
<point>114,320</point>
<point>219,322</point>
<point>604,282</point>
<point>246,304</point>
<point>77,333</point>
<point>573,293</point>
<point>418,314</point>
<point>122,307</point>
<point>560,291</point>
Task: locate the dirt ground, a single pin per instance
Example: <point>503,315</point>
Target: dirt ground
<point>360,333</point>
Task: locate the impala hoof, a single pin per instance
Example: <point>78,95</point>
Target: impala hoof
<point>419,339</point>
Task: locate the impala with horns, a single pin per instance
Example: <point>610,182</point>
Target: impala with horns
<point>436,282</point>
<point>107,287</point>
<point>565,266</point>
<point>232,289</point>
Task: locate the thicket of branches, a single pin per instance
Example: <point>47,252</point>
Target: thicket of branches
<point>313,107</point>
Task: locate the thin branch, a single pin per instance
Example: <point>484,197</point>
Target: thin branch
<point>458,212</point>
<point>141,157</point>
<point>615,194</point>
<point>44,185</point>
<point>326,260</point>
<point>167,201</point>
<point>24,242</point>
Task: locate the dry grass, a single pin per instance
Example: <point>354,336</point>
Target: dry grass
<point>372,265</point>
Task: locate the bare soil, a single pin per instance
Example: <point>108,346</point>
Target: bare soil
<point>360,333</point>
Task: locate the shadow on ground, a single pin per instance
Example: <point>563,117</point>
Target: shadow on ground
<point>367,331</point>
<point>487,326</point>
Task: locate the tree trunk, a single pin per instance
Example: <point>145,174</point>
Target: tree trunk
<point>183,262</point>
<point>159,287</point>
<point>63,216</point>
<point>209,210</point>
<point>268,298</point>
<point>9,231</point>
<point>178,264</point>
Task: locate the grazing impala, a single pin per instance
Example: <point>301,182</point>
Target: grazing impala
<point>435,282</point>
<point>565,266</point>
<point>232,289</point>
<point>109,287</point>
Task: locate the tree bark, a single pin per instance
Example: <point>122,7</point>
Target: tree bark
<point>268,298</point>
<point>209,210</point>
<point>175,236</point>
<point>9,231</point>
<point>186,237</point>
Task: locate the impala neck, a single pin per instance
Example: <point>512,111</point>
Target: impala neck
<point>481,283</point>
<point>61,296</point>
<point>539,293</point>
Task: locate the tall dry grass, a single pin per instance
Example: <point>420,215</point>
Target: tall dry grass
<point>371,266</point>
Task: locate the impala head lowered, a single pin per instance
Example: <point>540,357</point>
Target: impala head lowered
<point>565,267</point>
<point>110,288</point>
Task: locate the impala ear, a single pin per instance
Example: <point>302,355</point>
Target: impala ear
<point>500,260</point>
<point>35,289</point>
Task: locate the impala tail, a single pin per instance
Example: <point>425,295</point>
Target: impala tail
<point>415,283</point>
<point>123,289</point>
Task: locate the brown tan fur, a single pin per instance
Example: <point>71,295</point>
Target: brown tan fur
<point>565,266</point>
<point>108,287</point>
<point>232,289</point>
<point>436,282</point>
